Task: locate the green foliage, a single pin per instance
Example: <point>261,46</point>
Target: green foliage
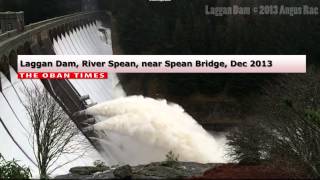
<point>313,117</point>
<point>12,170</point>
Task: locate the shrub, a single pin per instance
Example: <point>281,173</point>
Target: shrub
<point>12,170</point>
<point>99,164</point>
<point>171,157</point>
<point>287,125</point>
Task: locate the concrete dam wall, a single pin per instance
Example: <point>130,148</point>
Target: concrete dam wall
<point>77,34</point>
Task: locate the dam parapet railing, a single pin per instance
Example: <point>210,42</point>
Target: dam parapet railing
<point>48,30</point>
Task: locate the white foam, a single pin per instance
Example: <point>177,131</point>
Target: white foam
<point>136,130</point>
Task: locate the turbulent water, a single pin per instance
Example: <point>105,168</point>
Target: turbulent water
<point>136,130</point>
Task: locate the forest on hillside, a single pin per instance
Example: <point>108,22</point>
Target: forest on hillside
<point>182,27</point>
<point>280,116</point>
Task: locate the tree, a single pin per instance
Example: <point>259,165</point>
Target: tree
<point>246,143</point>
<point>287,125</point>
<point>12,170</point>
<point>292,118</point>
<point>53,132</point>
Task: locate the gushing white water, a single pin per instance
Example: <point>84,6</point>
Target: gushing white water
<point>137,130</point>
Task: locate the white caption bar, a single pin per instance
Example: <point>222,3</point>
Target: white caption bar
<point>164,63</point>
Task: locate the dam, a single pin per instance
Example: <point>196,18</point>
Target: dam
<point>89,33</point>
<point>84,33</point>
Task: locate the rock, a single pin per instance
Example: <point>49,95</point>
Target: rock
<point>73,176</point>
<point>156,170</point>
<point>195,169</point>
<point>161,172</point>
<point>87,170</point>
<point>123,172</point>
<point>104,175</point>
<point>165,170</point>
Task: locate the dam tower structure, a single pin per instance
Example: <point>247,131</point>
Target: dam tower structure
<point>11,20</point>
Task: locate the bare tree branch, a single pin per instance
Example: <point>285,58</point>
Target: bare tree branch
<point>53,132</point>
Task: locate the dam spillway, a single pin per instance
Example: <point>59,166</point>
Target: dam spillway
<point>91,37</point>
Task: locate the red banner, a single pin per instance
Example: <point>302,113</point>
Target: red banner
<point>62,75</point>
